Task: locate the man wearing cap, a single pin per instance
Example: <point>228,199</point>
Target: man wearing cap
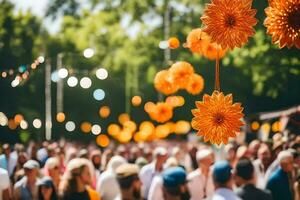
<point>129,182</point>
<point>174,184</point>
<point>152,169</point>
<point>26,188</point>
<point>245,180</point>
<point>223,182</point>
<point>7,161</point>
<point>200,181</point>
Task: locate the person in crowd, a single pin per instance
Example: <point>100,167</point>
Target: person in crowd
<point>245,180</point>
<point>174,184</point>
<point>192,150</point>
<point>76,181</point>
<point>223,182</point>
<point>296,188</point>
<point>253,148</point>
<point>200,181</point>
<point>280,181</point>
<point>42,153</point>
<point>46,189</point>
<point>51,169</point>
<point>107,155</point>
<point>107,185</point>
<point>7,160</point>
<point>261,165</point>
<point>230,153</point>
<point>129,182</point>
<point>95,157</point>
<point>149,171</point>
<point>21,160</point>
<point>134,154</point>
<point>4,185</point>
<point>141,162</point>
<point>26,188</point>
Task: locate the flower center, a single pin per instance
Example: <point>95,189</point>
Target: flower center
<point>219,118</point>
<point>230,21</point>
<point>294,19</point>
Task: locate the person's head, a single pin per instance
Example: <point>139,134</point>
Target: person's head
<point>46,189</point>
<point>128,179</point>
<point>174,183</point>
<point>77,174</point>
<point>243,152</point>
<point>160,155</point>
<point>230,152</point>
<point>277,148</point>
<point>115,162</point>
<point>96,158</point>
<point>22,158</point>
<point>222,175</point>
<point>83,153</point>
<point>285,159</point>
<point>31,168</point>
<point>52,167</point>
<point>264,154</point>
<point>253,148</point>
<point>205,158</point>
<point>244,172</point>
<point>6,149</point>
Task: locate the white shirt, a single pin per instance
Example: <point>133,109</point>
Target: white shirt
<point>224,194</point>
<point>199,185</point>
<point>260,174</point>
<point>9,164</point>
<point>146,175</point>
<point>156,191</point>
<point>4,181</point>
<point>108,186</point>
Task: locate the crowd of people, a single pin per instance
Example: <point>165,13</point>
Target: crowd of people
<point>163,170</point>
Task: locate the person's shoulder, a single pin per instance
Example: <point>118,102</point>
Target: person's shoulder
<point>147,168</point>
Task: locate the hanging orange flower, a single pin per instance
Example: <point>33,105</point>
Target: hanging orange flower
<point>216,118</point>
<point>197,41</point>
<point>283,22</point>
<point>195,85</point>
<point>229,22</point>
<point>163,83</point>
<point>181,73</point>
<point>162,113</point>
<point>212,50</point>
<point>173,43</point>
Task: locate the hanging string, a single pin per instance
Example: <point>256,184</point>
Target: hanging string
<point>217,73</point>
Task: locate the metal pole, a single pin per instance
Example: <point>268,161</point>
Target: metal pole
<point>48,119</point>
<point>60,87</point>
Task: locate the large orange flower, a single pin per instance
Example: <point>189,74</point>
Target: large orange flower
<point>216,118</point>
<point>229,22</point>
<point>162,113</point>
<point>195,85</point>
<point>197,41</point>
<point>181,73</point>
<point>283,22</point>
<point>163,83</point>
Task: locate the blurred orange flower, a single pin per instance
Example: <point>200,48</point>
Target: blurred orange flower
<point>162,112</point>
<point>163,83</point>
<point>195,85</point>
<point>173,43</point>
<point>181,73</point>
<point>229,23</point>
<point>283,22</point>
<point>212,50</point>
<point>197,41</point>
<point>216,118</point>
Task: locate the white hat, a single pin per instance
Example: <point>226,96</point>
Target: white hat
<point>160,151</point>
<point>203,153</point>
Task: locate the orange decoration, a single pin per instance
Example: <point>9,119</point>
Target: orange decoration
<point>102,140</point>
<point>149,107</point>
<point>113,129</point>
<point>18,118</point>
<point>181,73</point>
<point>124,136</point>
<point>86,127</point>
<point>136,100</point>
<point>104,111</point>
<point>175,101</point>
<point>12,124</point>
<point>182,127</point>
<point>173,43</point>
<point>60,117</point>
<point>162,131</point>
<point>162,113</point>
<point>195,85</point>
<point>163,83</point>
<point>229,23</point>
<point>216,118</point>
<point>212,51</point>
<point>197,41</point>
<point>124,117</point>
<point>130,126</point>
<point>283,22</point>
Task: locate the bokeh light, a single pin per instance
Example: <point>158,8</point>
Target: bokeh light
<point>86,127</point>
<point>162,131</point>
<point>18,118</point>
<point>101,73</point>
<point>276,127</point>
<point>124,117</point>
<point>130,126</point>
<point>11,124</point>
<point>104,111</point>
<point>102,140</point>
<point>63,73</point>
<point>70,126</point>
<point>72,81</point>
<point>85,82</point>
<point>54,76</point>
<point>163,44</point>
<point>60,117</point>
<point>37,123</point>
<point>113,129</point>
<point>136,100</point>
<point>149,106</point>
<point>124,136</point>
<point>41,59</point>
<point>182,127</point>
<point>96,129</point>
<point>99,94</point>
<point>3,119</point>
<point>88,53</point>
<point>24,124</point>
<point>255,126</point>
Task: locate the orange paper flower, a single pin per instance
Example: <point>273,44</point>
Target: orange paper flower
<point>212,50</point>
<point>229,22</point>
<point>283,22</point>
<point>197,41</point>
<point>195,85</point>
<point>181,73</point>
<point>173,43</point>
<point>216,118</point>
<point>163,83</point>
<point>162,112</point>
